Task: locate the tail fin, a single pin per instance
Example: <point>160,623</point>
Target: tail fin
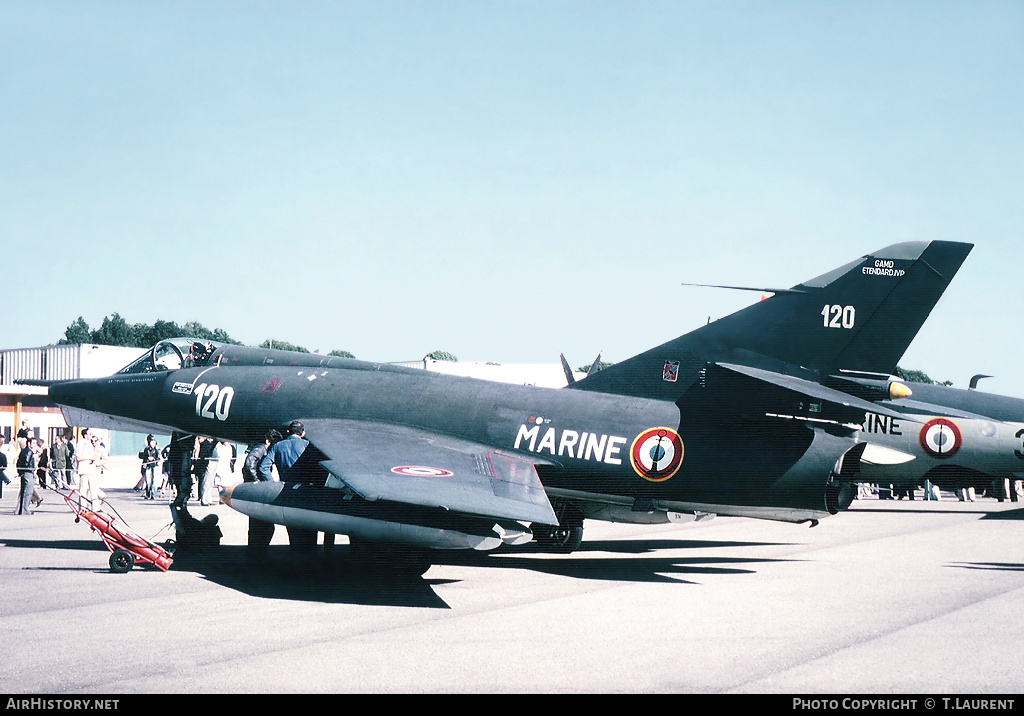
<point>859,317</point>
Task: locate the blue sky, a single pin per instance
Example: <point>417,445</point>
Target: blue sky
<point>503,180</point>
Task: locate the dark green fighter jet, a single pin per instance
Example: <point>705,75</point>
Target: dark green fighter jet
<point>753,415</point>
<point>961,438</point>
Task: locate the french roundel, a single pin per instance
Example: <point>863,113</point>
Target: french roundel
<point>941,437</point>
<point>657,453</point>
<point>421,471</point>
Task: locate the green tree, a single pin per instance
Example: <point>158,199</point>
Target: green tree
<point>77,332</point>
<point>194,329</point>
<point>918,376</point>
<point>442,355</point>
<point>160,331</point>
<point>341,354</point>
<point>219,334</point>
<point>601,365</point>
<point>115,331</point>
<point>282,346</point>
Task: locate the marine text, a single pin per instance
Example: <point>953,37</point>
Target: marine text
<point>571,443</point>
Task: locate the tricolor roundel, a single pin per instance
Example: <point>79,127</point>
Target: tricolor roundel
<point>940,437</point>
<point>657,453</point>
<point>421,471</point>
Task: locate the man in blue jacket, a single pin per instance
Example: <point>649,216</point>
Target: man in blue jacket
<point>284,454</point>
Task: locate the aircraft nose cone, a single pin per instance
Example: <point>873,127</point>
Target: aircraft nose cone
<point>225,495</point>
<point>69,393</point>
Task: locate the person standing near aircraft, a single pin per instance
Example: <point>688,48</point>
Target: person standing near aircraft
<point>258,451</point>
<point>69,474</point>
<point>59,462</point>
<point>100,464</point>
<point>27,472</point>
<point>42,462</point>
<point>39,452</point>
<point>9,448</point>
<point>87,451</point>
<point>205,465</point>
<point>260,531</point>
<point>224,474</point>
<point>150,457</point>
<point>4,480</point>
<point>179,461</point>
<point>283,455</point>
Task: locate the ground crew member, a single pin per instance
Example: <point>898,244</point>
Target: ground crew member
<point>284,454</point>
<point>260,531</point>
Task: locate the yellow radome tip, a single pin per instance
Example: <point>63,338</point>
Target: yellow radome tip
<point>898,390</point>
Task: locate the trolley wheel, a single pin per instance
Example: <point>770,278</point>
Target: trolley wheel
<point>121,561</point>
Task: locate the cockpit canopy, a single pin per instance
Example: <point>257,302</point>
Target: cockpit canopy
<point>175,353</point>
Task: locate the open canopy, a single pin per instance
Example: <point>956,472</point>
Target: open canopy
<point>174,353</point>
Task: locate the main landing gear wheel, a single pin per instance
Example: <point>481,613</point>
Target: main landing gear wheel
<point>562,539</point>
<point>121,561</point>
<point>567,536</point>
<point>390,561</point>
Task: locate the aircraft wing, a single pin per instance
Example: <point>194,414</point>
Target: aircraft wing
<point>814,390</point>
<point>381,461</point>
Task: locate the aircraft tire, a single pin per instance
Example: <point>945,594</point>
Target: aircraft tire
<point>121,561</point>
<point>567,536</point>
<point>563,539</point>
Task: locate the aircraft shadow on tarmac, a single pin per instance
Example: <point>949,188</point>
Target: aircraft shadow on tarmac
<point>1017,514</point>
<point>991,566</point>
<point>981,512</point>
<point>337,577</point>
<point>89,545</point>
<point>279,573</point>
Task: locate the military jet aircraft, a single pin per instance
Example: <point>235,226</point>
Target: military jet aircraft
<point>960,438</point>
<point>755,414</point>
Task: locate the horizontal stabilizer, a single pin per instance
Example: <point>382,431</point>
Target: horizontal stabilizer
<point>748,288</point>
<point>814,390</point>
